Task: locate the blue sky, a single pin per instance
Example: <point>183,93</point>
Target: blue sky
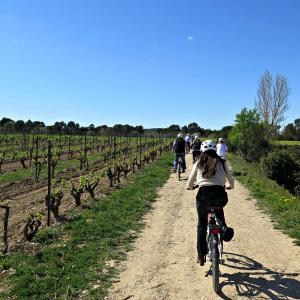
<point>148,62</point>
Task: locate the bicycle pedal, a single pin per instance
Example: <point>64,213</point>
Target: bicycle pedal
<point>208,271</point>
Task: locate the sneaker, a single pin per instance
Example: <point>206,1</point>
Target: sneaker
<point>201,260</point>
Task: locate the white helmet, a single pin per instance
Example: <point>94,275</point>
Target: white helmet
<point>179,135</point>
<point>196,137</point>
<point>208,145</point>
<point>221,140</point>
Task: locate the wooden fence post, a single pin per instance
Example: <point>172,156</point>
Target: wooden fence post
<point>5,228</point>
<point>49,184</point>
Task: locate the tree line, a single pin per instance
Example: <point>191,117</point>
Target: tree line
<point>8,125</point>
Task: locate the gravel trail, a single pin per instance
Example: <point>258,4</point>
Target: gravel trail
<point>260,262</point>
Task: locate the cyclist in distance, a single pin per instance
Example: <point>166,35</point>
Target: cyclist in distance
<point>179,151</point>
<point>222,149</point>
<point>210,173</point>
<point>188,140</point>
<point>196,146</point>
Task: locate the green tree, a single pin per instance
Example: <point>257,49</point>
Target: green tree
<point>4,120</point>
<point>297,125</point>
<point>20,125</point>
<point>289,132</point>
<point>248,135</point>
<point>193,127</point>
<point>184,129</point>
<point>28,125</point>
<point>59,126</point>
<point>71,127</point>
<point>174,127</point>
<point>207,132</point>
<point>224,132</point>
<point>139,129</point>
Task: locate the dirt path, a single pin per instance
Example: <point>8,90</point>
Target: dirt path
<point>260,262</point>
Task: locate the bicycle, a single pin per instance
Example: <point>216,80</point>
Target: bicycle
<point>215,246</point>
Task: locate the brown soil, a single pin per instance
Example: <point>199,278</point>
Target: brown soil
<point>13,166</point>
<point>33,201</point>
<point>260,262</point>
<point>11,190</point>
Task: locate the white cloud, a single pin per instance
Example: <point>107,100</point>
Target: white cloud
<point>190,38</point>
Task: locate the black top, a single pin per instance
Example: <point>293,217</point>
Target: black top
<point>179,146</point>
<point>196,146</point>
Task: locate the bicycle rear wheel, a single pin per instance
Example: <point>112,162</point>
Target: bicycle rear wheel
<point>215,267</point>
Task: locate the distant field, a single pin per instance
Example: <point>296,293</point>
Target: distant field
<point>288,142</point>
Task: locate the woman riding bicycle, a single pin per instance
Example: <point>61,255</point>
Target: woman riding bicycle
<point>196,146</point>
<point>210,173</point>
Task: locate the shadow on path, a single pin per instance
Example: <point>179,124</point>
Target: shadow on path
<point>253,280</point>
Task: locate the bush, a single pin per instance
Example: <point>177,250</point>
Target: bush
<point>295,149</point>
<point>297,190</point>
<point>281,166</point>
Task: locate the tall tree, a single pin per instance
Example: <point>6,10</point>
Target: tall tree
<point>272,100</point>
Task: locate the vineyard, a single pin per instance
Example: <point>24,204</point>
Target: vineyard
<point>49,179</point>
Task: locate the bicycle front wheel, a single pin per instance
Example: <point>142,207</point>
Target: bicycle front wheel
<point>215,267</point>
<point>179,171</point>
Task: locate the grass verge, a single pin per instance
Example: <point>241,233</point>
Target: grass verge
<point>288,142</point>
<point>283,207</point>
<point>79,257</point>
